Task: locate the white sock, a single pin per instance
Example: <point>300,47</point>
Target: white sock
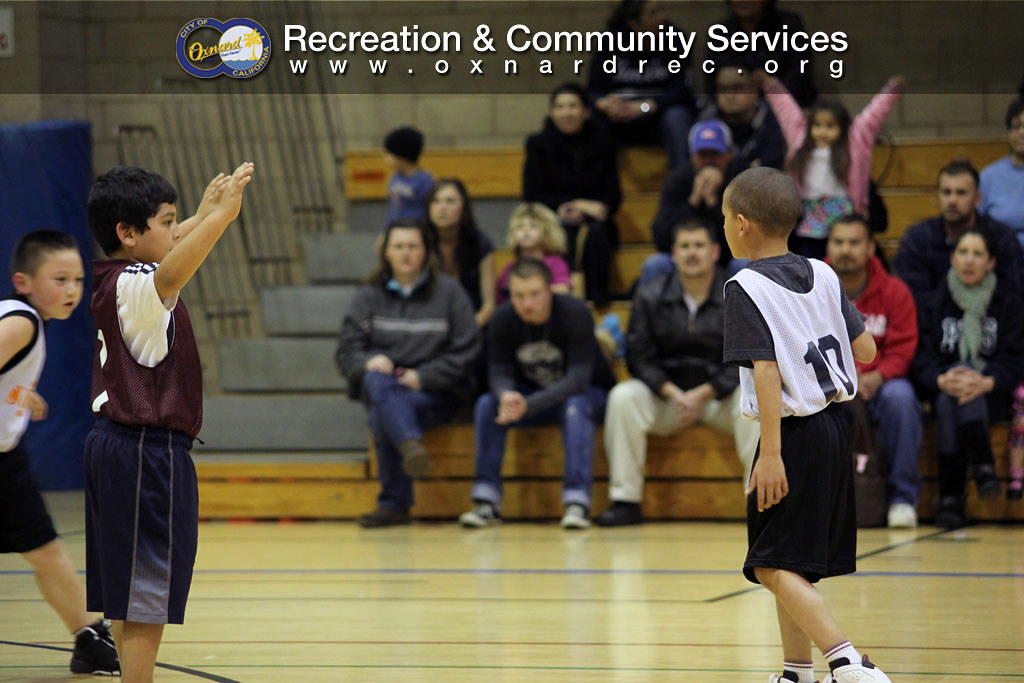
<point>840,652</point>
<point>803,670</point>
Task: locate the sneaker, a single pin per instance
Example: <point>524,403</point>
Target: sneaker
<point>384,517</point>
<point>483,515</point>
<point>986,482</point>
<point>865,672</point>
<point>621,514</point>
<point>415,458</point>
<point>902,516</point>
<point>951,513</point>
<point>776,678</point>
<point>95,652</point>
<point>575,517</point>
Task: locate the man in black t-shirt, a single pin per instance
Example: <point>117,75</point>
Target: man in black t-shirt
<point>545,367</point>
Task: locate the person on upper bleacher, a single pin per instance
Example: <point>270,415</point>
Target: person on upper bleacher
<point>829,157</point>
<point>756,137</point>
<point>544,367</point>
<point>645,101</point>
<point>748,16</point>
<point>409,185</point>
<point>694,191</point>
<point>465,251</point>
<point>1002,182</point>
<point>968,361</point>
<point>407,348</point>
<point>571,168</point>
<point>534,232</point>
<point>674,353</point>
<point>883,384</point>
<point>926,247</point>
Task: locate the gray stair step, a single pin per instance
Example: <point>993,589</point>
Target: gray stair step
<point>282,423</point>
<point>340,257</point>
<point>279,364</point>
<point>306,311</point>
<point>491,216</point>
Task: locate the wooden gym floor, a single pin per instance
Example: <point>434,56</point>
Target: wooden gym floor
<point>328,601</point>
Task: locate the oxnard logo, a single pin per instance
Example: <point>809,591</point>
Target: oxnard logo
<point>238,48</point>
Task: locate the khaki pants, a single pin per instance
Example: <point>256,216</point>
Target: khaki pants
<point>634,411</point>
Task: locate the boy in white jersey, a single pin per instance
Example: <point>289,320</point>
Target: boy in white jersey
<point>47,275</point>
<point>789,326</point>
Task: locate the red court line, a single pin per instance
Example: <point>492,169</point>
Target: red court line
<point>460,643</point>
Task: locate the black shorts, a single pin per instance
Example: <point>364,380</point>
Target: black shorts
<point>141,522</point>
<point>813,531</point>
<point>24,522</point>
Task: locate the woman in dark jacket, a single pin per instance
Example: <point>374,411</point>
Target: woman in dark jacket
<point>407,347</point>
<point>968,360</point>
<point>571,168</point>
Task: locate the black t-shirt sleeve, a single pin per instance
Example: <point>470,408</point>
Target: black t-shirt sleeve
<point>854,318</point>
<point>747,336</point>
<point>20,355</point>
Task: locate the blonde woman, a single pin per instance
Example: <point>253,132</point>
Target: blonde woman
<point>534,231</point>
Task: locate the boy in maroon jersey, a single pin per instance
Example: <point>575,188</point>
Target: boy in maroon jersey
<point>147,388</point>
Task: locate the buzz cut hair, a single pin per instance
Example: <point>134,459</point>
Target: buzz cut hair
<point>767,197</point>
<point>33,248</point>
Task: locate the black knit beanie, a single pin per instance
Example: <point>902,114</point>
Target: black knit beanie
<point>405,143</point>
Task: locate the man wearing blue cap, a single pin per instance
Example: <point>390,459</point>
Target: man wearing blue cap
<point>693,190</point>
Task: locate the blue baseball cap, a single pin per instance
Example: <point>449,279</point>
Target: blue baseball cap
<point>711,134</point>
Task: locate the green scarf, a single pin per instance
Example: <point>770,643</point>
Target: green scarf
<point>974,302</point>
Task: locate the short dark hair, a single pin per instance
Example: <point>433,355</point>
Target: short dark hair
<point>1015,109</point>
<point>570,88</point>
<point>32,249</point>
<point>125,194</point>
<point>959,167</point>
<point>854,218</point>
<point>986,237</point>
<point>529,267</point>
<point>694,223</point>
<point>767,197</point>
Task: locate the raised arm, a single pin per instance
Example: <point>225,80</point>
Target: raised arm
<point>188,254</point>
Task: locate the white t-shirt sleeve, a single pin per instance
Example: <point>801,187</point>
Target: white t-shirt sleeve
<point>143,317</point>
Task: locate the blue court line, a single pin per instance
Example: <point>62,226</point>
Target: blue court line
<point>561,572</point>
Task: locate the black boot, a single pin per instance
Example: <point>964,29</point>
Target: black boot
<point>951,513</point>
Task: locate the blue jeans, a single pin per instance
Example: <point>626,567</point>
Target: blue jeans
<point>577,417</point>
<point>896,412</point>
<point>397,415</point>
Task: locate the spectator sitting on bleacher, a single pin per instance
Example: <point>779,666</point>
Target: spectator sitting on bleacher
<point>694,190</point>
<point>534,232</point>
<point>968,360</point>
<point>407,347</point>
<point>674,352</point>
<point>643,99</point>
<point>926,247</point>
<point>571,168</point>
<point>466,252</point>
<point>891,318</point>
<point>545,367</point>
<point>748,16</point>
<point>829,157</point>
<point>756,136</point>
<point>409,185</point>
<point>1002,182</point>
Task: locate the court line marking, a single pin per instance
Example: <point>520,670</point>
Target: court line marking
<point>170,667</point>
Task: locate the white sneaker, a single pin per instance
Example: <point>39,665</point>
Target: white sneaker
<point>483,515</point>
<point>902,516</point>
<point>865,672</point>
<point>575,517</point>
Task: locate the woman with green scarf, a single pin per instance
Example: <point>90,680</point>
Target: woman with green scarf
<point>969,358</point>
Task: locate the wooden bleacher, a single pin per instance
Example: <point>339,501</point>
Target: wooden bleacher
<point>693,475</point>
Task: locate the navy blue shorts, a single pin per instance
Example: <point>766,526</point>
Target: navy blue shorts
<point>141,522</point>
<point>813,531</point>
<point>24,522</point>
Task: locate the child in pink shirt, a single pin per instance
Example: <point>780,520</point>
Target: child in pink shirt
<point>829,158</point>
<point>535,232</point>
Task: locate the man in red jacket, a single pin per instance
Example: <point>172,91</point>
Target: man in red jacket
<point>892,320</point>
